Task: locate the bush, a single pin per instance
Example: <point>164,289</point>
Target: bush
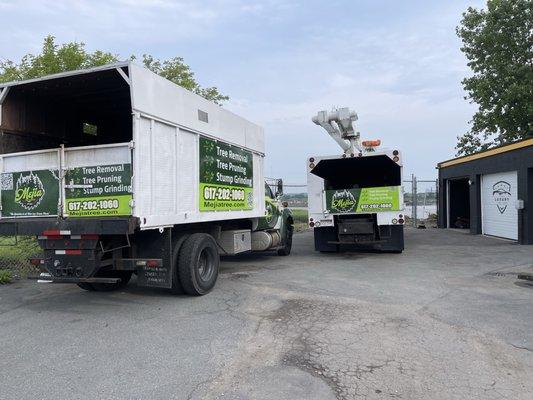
<point>5,276</point>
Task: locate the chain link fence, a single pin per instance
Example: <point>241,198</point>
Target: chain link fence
<point>15,253</point>
<point>420,199</point>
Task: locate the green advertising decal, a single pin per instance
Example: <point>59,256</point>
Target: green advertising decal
<point>30,193</point>
<point>226,177</point>
<point>366,200</point>
<point>97,191</point>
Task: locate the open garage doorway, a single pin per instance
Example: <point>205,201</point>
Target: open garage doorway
<point>458,203</point>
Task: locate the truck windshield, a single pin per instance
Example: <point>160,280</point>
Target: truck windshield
<point>358,172</point>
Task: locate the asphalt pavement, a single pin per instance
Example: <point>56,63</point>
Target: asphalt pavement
<point>447,319</point>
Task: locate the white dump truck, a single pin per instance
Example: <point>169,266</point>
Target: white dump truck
<point>119,171</point>
<point>356,197</point>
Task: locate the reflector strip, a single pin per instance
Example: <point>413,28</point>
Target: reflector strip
<point>88,237</point>
<point>55,233</point>
<point>69,252</point>
<point>72,237</point>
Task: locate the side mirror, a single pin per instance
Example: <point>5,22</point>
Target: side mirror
<point>279,190</point>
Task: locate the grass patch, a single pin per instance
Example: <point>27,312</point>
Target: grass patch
<point>300,215</point>
<point>6,276</point>
<point>300,218</point>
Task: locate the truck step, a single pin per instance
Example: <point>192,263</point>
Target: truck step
<point>47,278</point>
<point>526,276</point>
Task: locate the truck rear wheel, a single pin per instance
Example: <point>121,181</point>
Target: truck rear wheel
<point>198,264</point>
<point>176,284</point>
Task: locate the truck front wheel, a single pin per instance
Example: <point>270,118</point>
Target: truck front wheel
<point>287,246</point>
<point>198,264</point>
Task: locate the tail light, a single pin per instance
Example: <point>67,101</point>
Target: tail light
<point>401,221</point>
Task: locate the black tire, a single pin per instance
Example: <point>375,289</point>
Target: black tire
<point>176,284</point>
<point>86,286</point>
<point>124,276</point>
<point>287,246</point>
<point>198,264</point>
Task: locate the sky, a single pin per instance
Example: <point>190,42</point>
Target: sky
<point>398,64</point>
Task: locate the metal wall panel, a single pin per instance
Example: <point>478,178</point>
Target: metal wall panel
<point>166,181</point>
<point>163,165</point>
<point>31,161</point>
<point>187,172</point>
<point>142,161</point>
<point>155,96</point>
<point>99,155</point>
<point>259,187</point>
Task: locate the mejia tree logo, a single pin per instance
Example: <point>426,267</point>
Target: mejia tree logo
<point>343,201</point>
<point>501,193</point>
<point>29,191</point>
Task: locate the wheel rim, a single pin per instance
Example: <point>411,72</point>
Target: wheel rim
<point>206,265</point>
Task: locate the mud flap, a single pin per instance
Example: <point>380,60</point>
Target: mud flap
<point>156,247</point>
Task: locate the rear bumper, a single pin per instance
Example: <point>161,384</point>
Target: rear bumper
<point>390,239</point>
<point>76,226</point>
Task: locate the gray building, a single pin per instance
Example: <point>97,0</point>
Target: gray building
<point>489,192</point>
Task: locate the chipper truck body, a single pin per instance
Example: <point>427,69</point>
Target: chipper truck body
<point>119,171</point>
<point>355,198</point>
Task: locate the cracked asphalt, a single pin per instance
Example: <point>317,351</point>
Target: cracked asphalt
<point>447,319</point>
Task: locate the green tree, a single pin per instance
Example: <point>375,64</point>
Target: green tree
<point>498,43</point>
<point>71,56</point>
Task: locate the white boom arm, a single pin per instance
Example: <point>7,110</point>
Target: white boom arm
<point>338,124</point>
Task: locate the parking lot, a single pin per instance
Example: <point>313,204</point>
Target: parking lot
<point>447,319</point>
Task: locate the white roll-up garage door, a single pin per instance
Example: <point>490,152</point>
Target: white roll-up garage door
<point>498,205</point>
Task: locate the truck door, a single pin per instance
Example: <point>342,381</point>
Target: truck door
<point>90,181</point>
<point>30,184</point>
<point>98,181</point>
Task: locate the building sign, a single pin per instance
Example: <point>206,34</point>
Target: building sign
<point>226,177</point>
<point>96,191</point>
<point>501,194</point>
<point>30,193</point>
<point>365,200</point>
